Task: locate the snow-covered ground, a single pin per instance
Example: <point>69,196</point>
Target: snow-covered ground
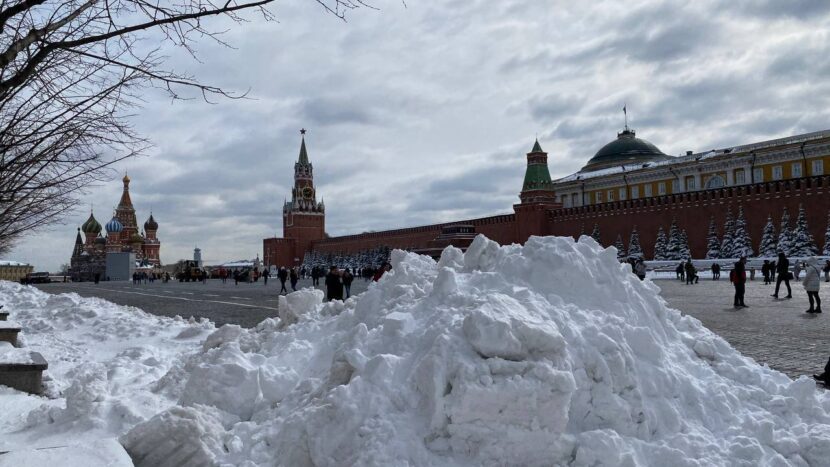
<point>546,354</point>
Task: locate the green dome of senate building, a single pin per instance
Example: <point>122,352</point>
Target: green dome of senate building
<point>626,149</point>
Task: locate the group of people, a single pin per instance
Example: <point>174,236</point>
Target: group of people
<point>340,281</point>
<point>145,277</point>
<point>778,272</point>
<point>687,272</point>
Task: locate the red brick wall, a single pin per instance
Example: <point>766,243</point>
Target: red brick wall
<point>499,228</point>
<point>693,211</point>
<point>279,251</point>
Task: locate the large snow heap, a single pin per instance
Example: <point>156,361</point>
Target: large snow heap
<point>550,353</point>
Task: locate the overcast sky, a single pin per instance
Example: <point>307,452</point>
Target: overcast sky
<point>423,112</point>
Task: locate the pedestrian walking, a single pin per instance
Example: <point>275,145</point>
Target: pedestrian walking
<point>715,271</point>
<point>812,281</point>
<point>765,271</point>
<point>782,270</point>
<point>680,270</point>
<point>265,275</point>
<point>691,273</point>
<point>334,286</point>
<point>738,278</point>
<point>236,277</point>
<point>282,275</point>
<point>348,277</point>
<point>824,377</point>
<point>826,271</point>
<point>315,276</point>
<point>294,276</point>
<point>640,269</point>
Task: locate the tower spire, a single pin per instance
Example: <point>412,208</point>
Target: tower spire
<point>303,154</point>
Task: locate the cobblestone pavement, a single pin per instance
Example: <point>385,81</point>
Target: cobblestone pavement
<point>776,332</point>
<point>245,304</point>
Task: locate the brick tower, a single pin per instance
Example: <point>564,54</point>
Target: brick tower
<point>303,218</point>
<point>537,196</point>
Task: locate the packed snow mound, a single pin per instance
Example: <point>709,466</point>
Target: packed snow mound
<point>551,353</point>
<point>105,363</point>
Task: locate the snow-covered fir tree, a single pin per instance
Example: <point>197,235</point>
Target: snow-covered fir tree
<point>741,241</point>
<point>712,242</point>
<point>660,245</point>
<point>803,243</point>
<point>785,240</point>
<point>685,252</point>
<point>767,246</point>
<point>595,234</point>
<point>728,233</point>
<point>674,248</point>
<point>620,246</point>
<point>634,248</point>
<point>826,251</point>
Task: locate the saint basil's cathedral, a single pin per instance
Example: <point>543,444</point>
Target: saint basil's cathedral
<point>89,257</point>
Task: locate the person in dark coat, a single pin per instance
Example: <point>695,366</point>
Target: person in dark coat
<point>348,277</point>
<point>282,275</point>
<point>738,278</point>
<point>765,270</point>
<point>294,276</point>
<point>715,271</point>
<point>782,269</point>
<point>691,273</point>
<point>334,287</point>
<point>315,276</point>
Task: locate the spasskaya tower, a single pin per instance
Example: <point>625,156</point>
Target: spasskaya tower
<point>303,218</point>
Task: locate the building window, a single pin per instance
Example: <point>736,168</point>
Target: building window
<point>818,167</point>
<point>599,197</point>
<point>740,178</point>
<point>574,199</point>
<point>777,172</point>
<point>622,194</point>
<point>715,181</point>
<point>661,188</point>
<point>675,186</point>
<point>564,201</point>
<point>796,168</point>
<point>758,175</point>
<point>690,183</point>
<point>635,192</point>
<point>610,195</point>
<point>648,190</point>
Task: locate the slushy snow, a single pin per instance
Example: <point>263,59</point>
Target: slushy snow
<point>551,353</point>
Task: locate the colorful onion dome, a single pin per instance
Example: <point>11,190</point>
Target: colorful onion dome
<point>114,225</point>
<point>151,224</point>
<point>91,225</point>
<point>136,238</point>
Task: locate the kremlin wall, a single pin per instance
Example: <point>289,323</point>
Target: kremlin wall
<point>628,183</point>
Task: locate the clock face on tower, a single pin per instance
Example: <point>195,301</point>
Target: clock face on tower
<point>308,193</point>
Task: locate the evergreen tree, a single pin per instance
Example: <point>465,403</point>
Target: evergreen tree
<point>634,248</point>
<point>620,246</point>
<point>767,247</point>
<point>712,242</point>
<point>674,249</point>
<point>741,241</point>
<point>785,234</point>
<point>660,245</point>
<point>826,251</point>
<point>595,234</point>
<point>803,243</point>
<point>728,234</point>
<point>685,252</point>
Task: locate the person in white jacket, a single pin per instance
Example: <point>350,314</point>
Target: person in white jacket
<point>812,281</point>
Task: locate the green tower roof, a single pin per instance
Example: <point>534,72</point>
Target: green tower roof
<point>303,154</point>
<point>537,176</point>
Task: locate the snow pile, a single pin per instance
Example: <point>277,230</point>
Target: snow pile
<point>546,354</point>
<point>105,361</point>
